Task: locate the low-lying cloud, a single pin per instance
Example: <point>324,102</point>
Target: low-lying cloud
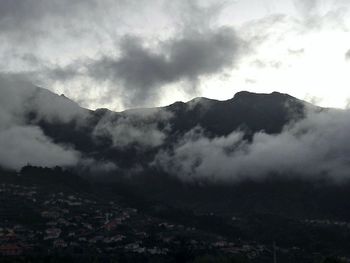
<point>138,128</point>
<point>315,146</point>
<point>22,143</point>
<point>19,96</point>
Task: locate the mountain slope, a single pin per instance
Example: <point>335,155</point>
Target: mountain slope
<point>120,137</point>
<point>289,205</point>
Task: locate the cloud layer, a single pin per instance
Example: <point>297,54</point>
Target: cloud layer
<point>138,128</point>
<point>315,146</point>
<point>141,53</point>
<point>22,143</point>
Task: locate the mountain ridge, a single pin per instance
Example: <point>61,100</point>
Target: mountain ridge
<point>238,95</point>
<point>199,142</point>
<point>136,135</point>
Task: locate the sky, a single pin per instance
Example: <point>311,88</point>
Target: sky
<point>121,54</point>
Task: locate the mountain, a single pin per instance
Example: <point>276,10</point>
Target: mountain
<point>307,216</point>
<point>246,112</point>
<point>134,138</point>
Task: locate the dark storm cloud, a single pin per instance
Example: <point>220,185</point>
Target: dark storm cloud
<point>141,70</point>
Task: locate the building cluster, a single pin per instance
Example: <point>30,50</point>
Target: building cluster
<point>36,220</point>
<point>327,222</point>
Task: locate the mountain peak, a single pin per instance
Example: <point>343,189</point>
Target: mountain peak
<point>244,93</point>
<point>248,94</point>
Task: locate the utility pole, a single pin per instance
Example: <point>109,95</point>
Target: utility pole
<point>274,252</point>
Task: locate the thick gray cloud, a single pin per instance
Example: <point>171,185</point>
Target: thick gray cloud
<point>53,108</point>
<point>317,145</point>
<point>141,71</point>
<point>19,97</point>
<point>21,143</point>
<point>53,39</point>
<point>59,27</point>
<point>194,16</point>
<point>135,127</point>
<point>81,45</point>
<point>31,20</point>
<point>56,31</point>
